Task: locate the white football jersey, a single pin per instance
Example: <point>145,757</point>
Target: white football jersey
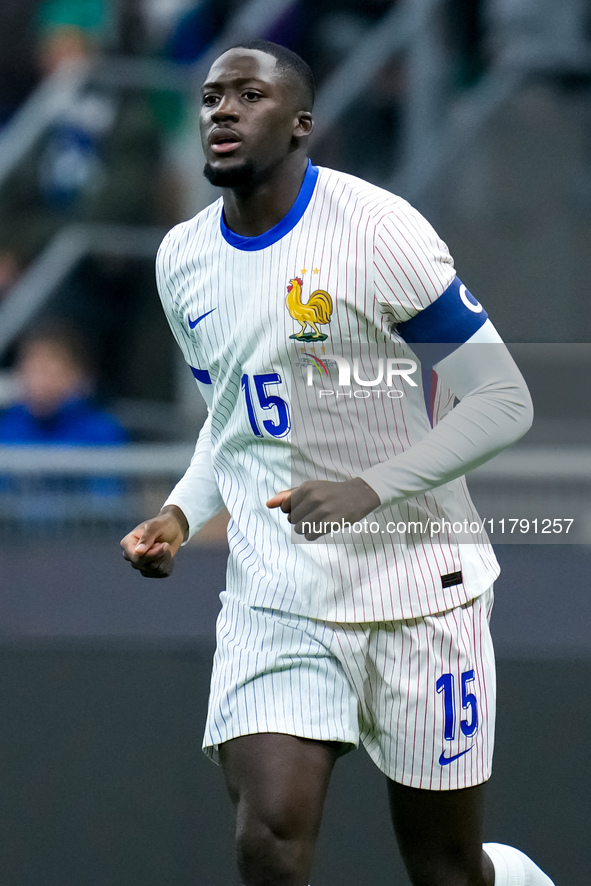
<point>350,266</point>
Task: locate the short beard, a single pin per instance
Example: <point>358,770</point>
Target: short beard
<point>242,176</point>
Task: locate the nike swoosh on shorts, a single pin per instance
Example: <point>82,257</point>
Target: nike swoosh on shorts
<point>193,323</point>
<point>444,761</point>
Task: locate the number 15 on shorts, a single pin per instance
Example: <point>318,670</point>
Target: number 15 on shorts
<point>446,684</point>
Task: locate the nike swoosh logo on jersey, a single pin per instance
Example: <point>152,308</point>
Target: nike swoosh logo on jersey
<point>445,761</point>
<point>193,323</point>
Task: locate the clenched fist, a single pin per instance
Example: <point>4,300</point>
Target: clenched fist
<point>151,546</point>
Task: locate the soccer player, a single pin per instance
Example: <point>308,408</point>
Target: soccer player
<point>320,645</point>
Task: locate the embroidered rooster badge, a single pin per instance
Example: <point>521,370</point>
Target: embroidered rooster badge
<point>313,313</point>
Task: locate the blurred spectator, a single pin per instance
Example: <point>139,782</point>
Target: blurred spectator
<point>57,407</point>
<point>56,378</point>
<point>100,161</point>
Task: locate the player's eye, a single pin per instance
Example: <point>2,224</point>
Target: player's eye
<point>209,99</point>
<point>251,96</point>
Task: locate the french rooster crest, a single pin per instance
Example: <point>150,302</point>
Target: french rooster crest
<point>313,313</point>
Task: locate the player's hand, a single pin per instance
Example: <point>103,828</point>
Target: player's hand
<point>323,502</point>
<point>151,546</point>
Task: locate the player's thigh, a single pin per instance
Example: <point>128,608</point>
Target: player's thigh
<point>440,834</point>
<point>278,782</point>
<point>431,698</point>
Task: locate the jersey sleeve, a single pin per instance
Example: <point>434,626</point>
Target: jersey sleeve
<point>165,282</point>
<point>495,410</point>
<point>197,493</point>
<point>415,282</point>
<point>412,265</point>
<point>449,330</point>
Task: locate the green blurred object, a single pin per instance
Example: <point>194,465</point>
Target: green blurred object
<point>90,15</point>
<point>169,110</point>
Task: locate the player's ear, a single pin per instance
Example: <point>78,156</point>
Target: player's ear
<point>304,124</point>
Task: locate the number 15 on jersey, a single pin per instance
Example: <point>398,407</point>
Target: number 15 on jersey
<point>261,383</point>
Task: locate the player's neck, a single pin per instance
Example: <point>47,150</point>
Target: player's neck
<point>250,212</point>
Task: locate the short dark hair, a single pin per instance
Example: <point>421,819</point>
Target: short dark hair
<point>288,61</point>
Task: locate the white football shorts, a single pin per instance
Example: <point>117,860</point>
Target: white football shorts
<point>420,693</point>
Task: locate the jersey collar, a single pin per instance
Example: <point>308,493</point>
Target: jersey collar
<point>287,223</point>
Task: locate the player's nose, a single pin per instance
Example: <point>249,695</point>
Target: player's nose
<point>226,108</point>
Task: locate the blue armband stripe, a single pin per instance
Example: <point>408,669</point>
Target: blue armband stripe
<point>446,324</point>
<point>201,375</point>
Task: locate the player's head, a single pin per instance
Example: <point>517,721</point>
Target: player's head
<point>256,112</point>
<point>292,67</point>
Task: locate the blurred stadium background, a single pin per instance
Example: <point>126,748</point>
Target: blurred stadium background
<point>478,112</point>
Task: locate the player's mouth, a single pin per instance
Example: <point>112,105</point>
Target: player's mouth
<point>224,141</point>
